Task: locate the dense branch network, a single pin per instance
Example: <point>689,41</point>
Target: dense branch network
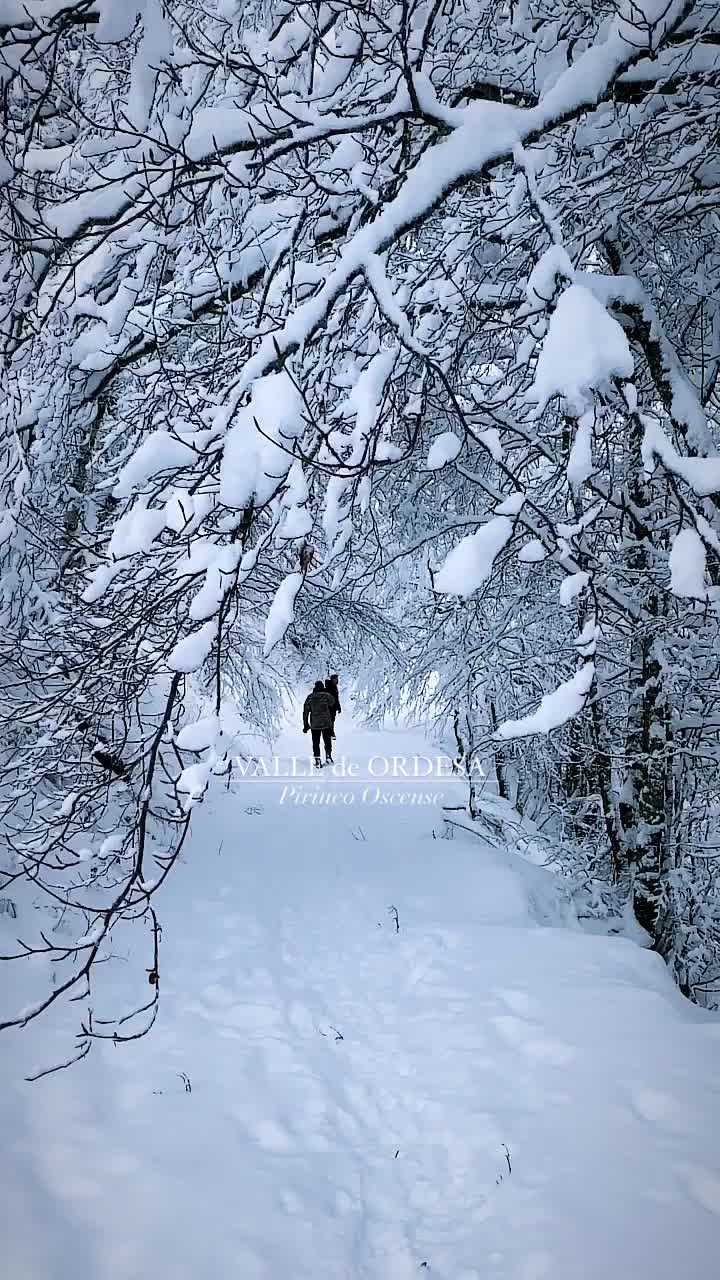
<point>280,284</point>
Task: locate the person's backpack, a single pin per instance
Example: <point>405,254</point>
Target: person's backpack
<point>331,684</point>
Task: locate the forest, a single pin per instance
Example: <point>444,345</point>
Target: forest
<point>379,334</point>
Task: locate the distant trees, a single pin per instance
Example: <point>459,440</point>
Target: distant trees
<point>257,258</point>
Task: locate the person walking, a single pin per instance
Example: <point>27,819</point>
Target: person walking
<point>331,684</point>
<point>318,718</point>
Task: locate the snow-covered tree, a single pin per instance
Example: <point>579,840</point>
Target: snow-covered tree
<point>292,293</point>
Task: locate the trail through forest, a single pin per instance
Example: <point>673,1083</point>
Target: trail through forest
<point>381,1053</point>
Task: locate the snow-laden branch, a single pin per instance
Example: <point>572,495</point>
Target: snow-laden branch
<point>555,709</point>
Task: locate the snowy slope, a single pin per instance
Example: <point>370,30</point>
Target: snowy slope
<point>488,1093</point>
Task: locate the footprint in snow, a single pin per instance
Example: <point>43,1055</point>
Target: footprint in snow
<point>517,1002</point>
<point>266,1132</point>
<point>703,1185</point>
<point>532,1042</point>
<point>660,1109</point>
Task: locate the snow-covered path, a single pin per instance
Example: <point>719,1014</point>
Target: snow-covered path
<point>486,1093</point>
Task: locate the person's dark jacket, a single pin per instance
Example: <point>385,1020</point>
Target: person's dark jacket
<point>332,687</point>
<point>319,708</point>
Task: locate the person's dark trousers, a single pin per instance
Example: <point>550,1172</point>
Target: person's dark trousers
<point>326,735</point>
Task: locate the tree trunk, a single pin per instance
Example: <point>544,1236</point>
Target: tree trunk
<point>498,757</point>
<point>642,806</point>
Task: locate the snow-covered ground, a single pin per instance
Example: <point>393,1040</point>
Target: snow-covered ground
<point>489,1093</point>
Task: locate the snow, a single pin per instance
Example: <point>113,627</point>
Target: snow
<point>89,939</point>
<point>572,586</point>
<point>688,568</point>
<point>386,451</point>
<point>484,130</point>
<point>366,397</point>
<point>68,805</point>
<point>470,1035</point>
<point>155,50</point>
<point>471,562</point>
<point>587,78</point>
<point>555,708</point>
<point>583,350</point>
<point>198,735</point>
<point>586,642</point>
<point>532,552</point>
<point>490,437</point>
<point>512,505</point>
<point>297,524</point>
<point>297,519</point>
<point>44,159</point>
<point>685,405</point>
<point>282,610</point>
<point>256,455</point>
<point>580,464</point>
<point>112,844</point>
<point>136,531</point>
<point>117,20</point>
<point>193,782</point>
<point>386,299</point>
<point>18,11</point>
<point>701,474</point>
<point>480,133</point>
<point>489,1092</point>
<point>552,265</point>
<point>220,576</point>
<point>190,652</point>
<point>364,403</point>
<point>162,451</point>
